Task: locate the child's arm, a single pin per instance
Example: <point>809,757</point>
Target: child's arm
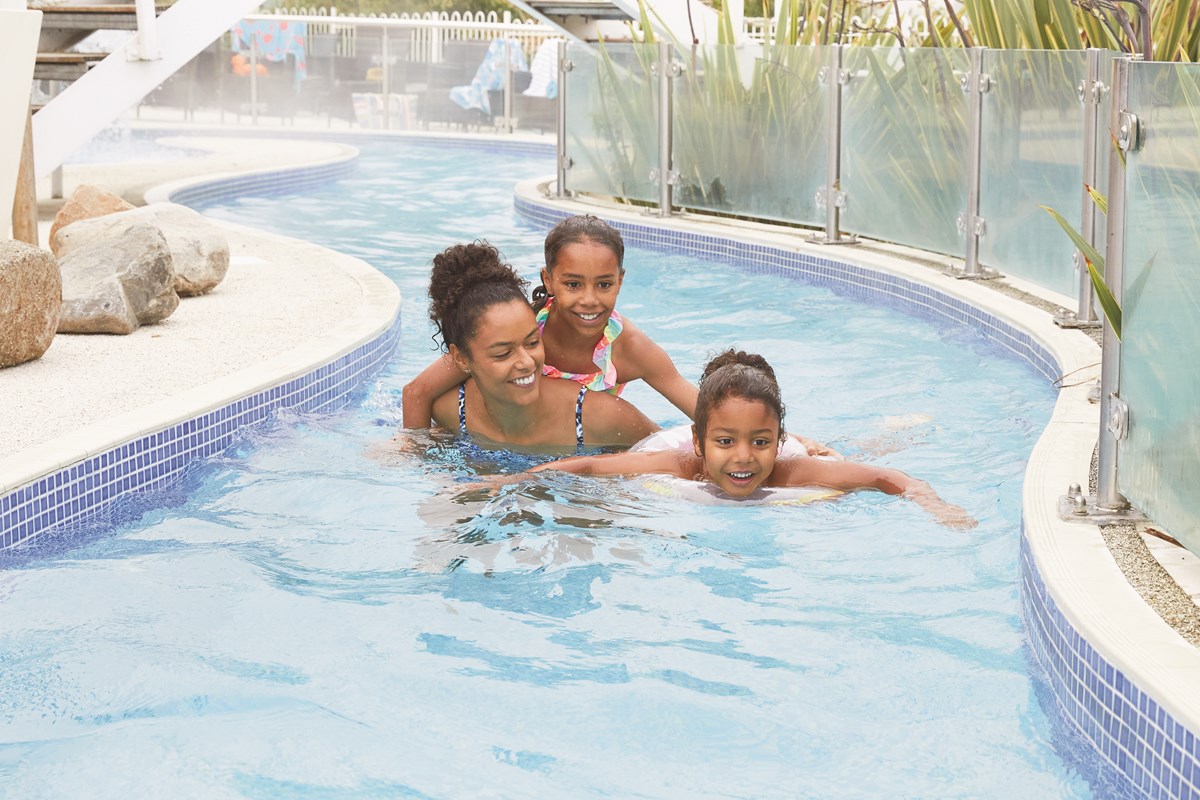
<point>848,476</point>
<point>642,358</point>
<point>434,381</point>
<point>666,462</point>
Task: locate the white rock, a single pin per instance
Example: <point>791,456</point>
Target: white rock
<point>115,284</point>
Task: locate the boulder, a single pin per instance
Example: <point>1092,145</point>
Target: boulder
<point>30,301</point>
<point>86,202</point>
<point>199,250</point>
<point>115,284</point>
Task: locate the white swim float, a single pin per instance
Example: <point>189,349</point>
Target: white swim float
<point>680,439</point>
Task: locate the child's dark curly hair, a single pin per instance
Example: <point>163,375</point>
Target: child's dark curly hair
<point>467,280</point>
<point>736,373</point>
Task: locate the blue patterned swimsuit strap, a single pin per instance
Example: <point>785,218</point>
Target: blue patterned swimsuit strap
<point>579,418</point>
<point>462,408</point>
<point>462,413</point>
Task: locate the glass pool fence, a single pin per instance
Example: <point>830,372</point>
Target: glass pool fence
<point>953,152</point>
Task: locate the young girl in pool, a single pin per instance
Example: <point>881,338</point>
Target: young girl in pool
<point>736,439</point>
<point>585,339</point>
<point>494,343</point>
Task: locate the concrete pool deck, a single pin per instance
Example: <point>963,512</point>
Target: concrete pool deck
<point>263,323</point>
<point>284,306</point>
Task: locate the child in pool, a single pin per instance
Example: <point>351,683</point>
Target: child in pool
<point>736,439</point>
<point>586,340</point>
<point>502,396</point>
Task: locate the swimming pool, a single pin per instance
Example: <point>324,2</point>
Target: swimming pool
<point>299,617</point>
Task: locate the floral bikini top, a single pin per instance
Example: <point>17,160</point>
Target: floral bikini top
<point>606,379</point>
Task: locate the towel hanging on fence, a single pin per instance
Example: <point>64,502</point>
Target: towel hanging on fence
<point>544,71</point>
<point>273,41</point>
<point>489,76</point>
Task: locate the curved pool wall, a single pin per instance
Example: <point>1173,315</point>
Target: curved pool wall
<point>70,484</point>
<point>1126,681</point>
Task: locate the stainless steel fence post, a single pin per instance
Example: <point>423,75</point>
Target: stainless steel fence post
<point>1113,415</point>
<point>1091,89</point>
<point>834,76</point>
<point>564,161</point>
<point>508,86</point>
<point>385,84</point>
<point>253,79</point>
<point>969,222</point>
<point>666,175</point>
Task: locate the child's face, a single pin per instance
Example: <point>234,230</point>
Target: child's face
<point>740,445</point>
<point>505,356</point>
<point>585,282</point>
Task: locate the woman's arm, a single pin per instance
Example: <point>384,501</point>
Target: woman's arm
<point>640,357</point>
<point>848,476</point>
<point>420,393</point>
<point>609,420</point>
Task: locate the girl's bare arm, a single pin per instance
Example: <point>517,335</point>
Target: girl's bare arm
<point>642,358</point>
<point>848,476</point>
<point>420,393</point>
<point>664,462</point>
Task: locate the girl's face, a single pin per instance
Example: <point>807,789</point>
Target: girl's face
<point>505,356</point>
<point>740,446</point>
<point>585,282</point>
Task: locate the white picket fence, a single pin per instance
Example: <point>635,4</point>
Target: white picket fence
<point>425,34</point>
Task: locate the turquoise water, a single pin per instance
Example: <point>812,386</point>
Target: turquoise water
<point>305,617</point>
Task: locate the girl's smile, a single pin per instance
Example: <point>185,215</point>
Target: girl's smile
<point>740,445</point>
<point>585,282</point>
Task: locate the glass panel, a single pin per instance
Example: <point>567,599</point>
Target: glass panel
<point>1032,156</point>
<point>750,132</point>
<point>905,145</point>
<point>612,120</point>
<point>1159,462</point>
<point>535,93</point>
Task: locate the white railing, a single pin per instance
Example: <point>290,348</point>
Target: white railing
<point>425,34</point>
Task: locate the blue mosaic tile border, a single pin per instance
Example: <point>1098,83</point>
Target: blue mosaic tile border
<point>154,460</point>
<point>1157,756</point>
<point>847,279</point>
<point>273,181</point>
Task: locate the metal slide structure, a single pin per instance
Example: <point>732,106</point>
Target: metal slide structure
<point>683,21</point>
<point>163,45</point>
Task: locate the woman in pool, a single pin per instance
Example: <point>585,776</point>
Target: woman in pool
<point>586,340</point>
<point>736,439</point>
<point>494,343</point>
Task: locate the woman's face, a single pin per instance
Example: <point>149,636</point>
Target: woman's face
<point>585,282</point>
<point>740,445</point>
<point>505,356</point>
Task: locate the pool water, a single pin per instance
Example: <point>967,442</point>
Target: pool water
<point>316,615</point>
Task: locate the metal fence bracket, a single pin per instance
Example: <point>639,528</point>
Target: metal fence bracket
<point>1075,506</point>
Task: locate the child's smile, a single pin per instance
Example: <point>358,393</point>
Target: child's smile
<point>585,282</point>
<point>740,445</point>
